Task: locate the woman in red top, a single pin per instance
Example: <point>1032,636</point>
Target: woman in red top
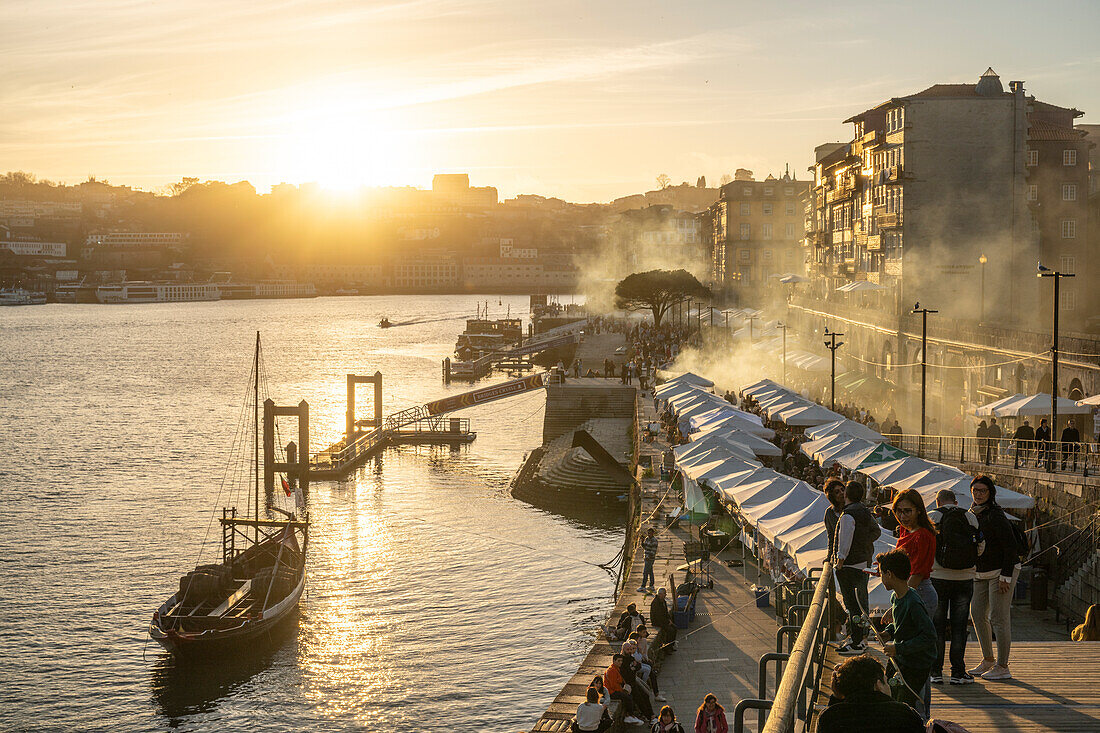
<point>917,536</point>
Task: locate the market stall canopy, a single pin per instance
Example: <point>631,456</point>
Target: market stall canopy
<point>934,475</point>
<point>793,278</point>
<point>1006,498</point>
<point>764,385</point>
<point>808,415</point>
<point>808,362</point>
<point>701,423</point>
<point>880,453</point>
<point>795,499</point>
<point>799,508</point>
<point>845,425</point>
<point>672,389</point>
<point>754,493</point>
<point>1039,404</point>
<point>721,413</point>
<point>1093,401</point>
<point>712,451</point>
<point>987,409</point>
<point>811,447</point>
<point>757,445</point>
<point>729,486</point>
<point>833,453</point>
<point>883,472</point>
<point>691,378</point>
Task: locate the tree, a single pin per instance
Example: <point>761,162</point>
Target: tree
<point>663,181</point>
<point>176,189</point>
<point>726,178</point>
<point>658,290</point>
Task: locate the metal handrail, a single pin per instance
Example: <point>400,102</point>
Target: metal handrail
<point>785,706</point>
<point>1045,455</point>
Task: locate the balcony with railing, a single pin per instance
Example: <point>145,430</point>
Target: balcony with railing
<point>889,221</point>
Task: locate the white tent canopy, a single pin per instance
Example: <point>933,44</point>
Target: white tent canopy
<point>845,425</point>
<point>692,378</point>
<point>933,475</point>
<point>884,472</point>
<point>710,421</point>
<point>757,445</point>
<point>812,414</point>
<point>987,409</point>
<point>1006,498</point>
<point>834,453</point>
<point>764,385</point>
<point>1089,401</point>
<point>712,451</point>
<point>1039,404</point>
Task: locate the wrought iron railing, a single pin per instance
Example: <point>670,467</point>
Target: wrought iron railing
<point>1039,455</point>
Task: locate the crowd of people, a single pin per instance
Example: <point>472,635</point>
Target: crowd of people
<point>950,565</point>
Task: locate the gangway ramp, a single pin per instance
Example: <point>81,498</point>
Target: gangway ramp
<point>343,457</point>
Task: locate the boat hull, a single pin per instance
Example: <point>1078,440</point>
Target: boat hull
<point>218,642</point>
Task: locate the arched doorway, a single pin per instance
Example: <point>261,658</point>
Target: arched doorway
<point>1045,383</point>
<point>1076,390</point>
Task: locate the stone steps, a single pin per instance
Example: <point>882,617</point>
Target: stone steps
<point>1082,589</point>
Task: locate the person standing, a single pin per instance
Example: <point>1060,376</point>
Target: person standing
<point>576,368</point>
<point>982,434</point>
<point>917,537</point>
<point>711,717</point>
<point>1023,437</point>
<point>994,434</point>
<point>913,648</point>
<point>666,722</point>
<point>1042,439</point>
<point>856,533</point>
<point>998,568</point>
<point>1070,438</point>
<point>649,552</point>
<point>957,546</point>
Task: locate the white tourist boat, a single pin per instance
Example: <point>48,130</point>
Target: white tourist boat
<point>140,291</point>
<point>19,296</point>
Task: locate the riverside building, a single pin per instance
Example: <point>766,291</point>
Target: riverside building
<point>950,196</point>
<point>753,232</point>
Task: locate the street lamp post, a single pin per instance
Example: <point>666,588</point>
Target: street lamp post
<point>832,345</point>
<point>1045,272</point>
<point>923,358</point>
<point>982,260</point>
<point>784,327</point>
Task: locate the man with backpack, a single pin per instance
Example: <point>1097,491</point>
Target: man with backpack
<point>853,549</point>
<point>958,544</point>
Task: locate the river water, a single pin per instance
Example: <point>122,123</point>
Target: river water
<point>435,601</point>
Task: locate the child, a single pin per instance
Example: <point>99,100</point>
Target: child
<point>913,648</point>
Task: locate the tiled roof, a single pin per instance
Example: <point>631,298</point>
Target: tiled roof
<point>1040,130</point>
<point>951,90</point>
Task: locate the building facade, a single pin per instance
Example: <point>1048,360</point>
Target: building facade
<point>949,197</point>
<point>754,232</point>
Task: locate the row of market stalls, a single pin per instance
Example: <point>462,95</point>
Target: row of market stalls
<point>782,518</point>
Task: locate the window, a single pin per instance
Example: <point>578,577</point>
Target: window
<point>767,209</point>
<point>1069,229</point>
<point>747,190</point>
<point>745,255</point>
<point>768,190</point>
<point>1068,264</point>
<point>746,231</point>
<point>1069,191</point>
<point>1069,299</point>
<point>767,255</point>
<point>788,191</point>
<point>1032,157</point>
<point>790,231</point>
<point>766,231</point>
<point>745,209</point>
<point>1069,157</point>
<point>789,209</point>
<point>1032,193</point>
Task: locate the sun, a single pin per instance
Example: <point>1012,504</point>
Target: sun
<point>341,148</point>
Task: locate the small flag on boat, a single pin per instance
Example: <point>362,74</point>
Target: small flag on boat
<point>286,486</point>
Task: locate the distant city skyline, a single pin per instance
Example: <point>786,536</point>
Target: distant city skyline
<point>581,101</point>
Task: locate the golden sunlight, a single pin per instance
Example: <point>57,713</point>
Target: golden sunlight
<point>341,148</point>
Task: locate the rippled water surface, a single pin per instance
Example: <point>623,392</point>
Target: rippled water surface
<point>435,601</point>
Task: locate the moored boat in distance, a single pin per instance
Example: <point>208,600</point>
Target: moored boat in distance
<point>243,601</point>
<point>142,291</point>
<point>19,296</point>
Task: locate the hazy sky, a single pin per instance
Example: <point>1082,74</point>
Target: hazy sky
<point>584,100</point>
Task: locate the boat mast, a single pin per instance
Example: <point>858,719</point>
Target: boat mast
<point>256,436</point>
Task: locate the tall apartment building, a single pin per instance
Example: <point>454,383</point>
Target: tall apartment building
<point>658,235</point>
<point>933,183</point>
<point>455,188</point>
<point>754,232</point>
<point>950,197</point>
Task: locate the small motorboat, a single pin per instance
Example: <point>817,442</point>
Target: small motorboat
<point>384,323</point>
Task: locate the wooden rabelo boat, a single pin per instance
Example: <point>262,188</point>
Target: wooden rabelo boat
<point>248,597</point>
